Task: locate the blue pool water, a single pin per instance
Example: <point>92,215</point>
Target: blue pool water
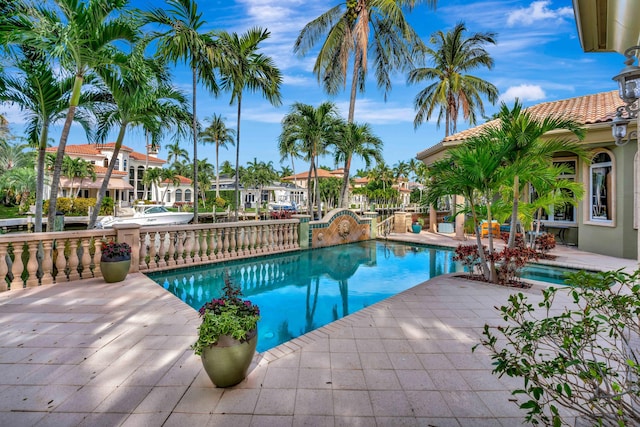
<point>302,291</point>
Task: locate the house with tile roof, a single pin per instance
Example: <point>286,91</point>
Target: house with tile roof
<point>603,221</point>
<point>125,184</point>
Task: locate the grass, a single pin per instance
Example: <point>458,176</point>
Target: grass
<point>9,212</point>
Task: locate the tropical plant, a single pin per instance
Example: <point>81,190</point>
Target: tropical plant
<point>576,348</point>
<point>115,251</point>
<point>81,36</point>
<point>454,90</point>
<point>308,131</point>
<point>258,175</point>
<point>524,148</point>
<point>76,167</point>
<point>181,40</point>
<point>170,176</point>
<point>355,140</point>
<point>219,134</point>
<point>18,184</point>
<point>243,68</point>
<point>348,30</point>
<point>44,98</point>
<point>153,177</point>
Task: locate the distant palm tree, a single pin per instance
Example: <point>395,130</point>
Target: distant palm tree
<point>258,175</point>
<point>401,170</point>
<point>169,176</point>
<point>76,167</point>
<point>176,154</point>
<point>206,173</point>
<point>82,36</point>
<point>153,177</point>
<point>227,168</point>
<point>311,130</point>
<point>219,134</point>
<point>19,184</point>
<point>355,140</point>
<point>285,171</point>
<point>347,30</point>
<point>243,68</point>
<point>181,40</point>
<point>453,90</point>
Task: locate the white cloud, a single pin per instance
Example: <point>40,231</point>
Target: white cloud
<point>378,113</point>
<point>538,11</point>
<point>523,92</point>
<point>13,114</point>
<point>298,80</point>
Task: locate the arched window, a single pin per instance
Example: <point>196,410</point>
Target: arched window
<point>178,195</point>
<point>601,187</point>
<point>187,196</point>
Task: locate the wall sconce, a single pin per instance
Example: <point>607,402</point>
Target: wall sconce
<point>629,90</point>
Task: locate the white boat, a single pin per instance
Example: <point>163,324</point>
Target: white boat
<point>147,215</point>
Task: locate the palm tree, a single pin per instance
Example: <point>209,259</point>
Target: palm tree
<point>169,176</point>
<point>244,68</point>
<point>182,41</point>
<point>226,168</point>
<point>453,90</point>
<point>20,183</point>
<point>310,130</point>
<point>219,134</point>
<point>176,154</point>
<point>206,173</point>
<point>141,95</point>
<point>44,99</point>
<point>81,35</point>
<point>75,167</point>
<point>258,175</point>
<point>521,136</point>
<point>347,29</point>
<point>356,140</point>
<point>153,177</point>
<point>285,171</point>
<point>401,170</point>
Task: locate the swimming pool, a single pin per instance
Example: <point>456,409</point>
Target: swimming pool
<point>302,291</point>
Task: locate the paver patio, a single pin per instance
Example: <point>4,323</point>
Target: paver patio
<point>88,353</point>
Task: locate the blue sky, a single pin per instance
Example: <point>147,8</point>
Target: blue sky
<point>538,58</point>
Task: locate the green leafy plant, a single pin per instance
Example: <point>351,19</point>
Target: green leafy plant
<point>581,353</point>
<point>228,315</point>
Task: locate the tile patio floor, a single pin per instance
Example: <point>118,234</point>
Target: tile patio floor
<point>88,353</point>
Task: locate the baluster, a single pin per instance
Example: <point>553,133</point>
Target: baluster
<point>32,264</point>
<point>171,262</point>
<point>266,229</point>
<point>97,255</point>
<point>290,228</point>
<point>188,247</point>
<point>143,251</point>
<point>258,239</point>
<point>17,266</point>
<point>86,258</point>
<point>285,236</point>
<point>61,261</point>
<point>225,244</point>
<point>153,263</point>
<point>252,239</point>
<point>247,243</point>
<point>47,263</point>
<point>218,243</point>
<point>4,267</point>
<point>196,246</point>
<point>161,262</point>
<point>212,254</point>
<point>296,235</point>
<point>73,260</point>
<point>180,250</point>
<point>204,245</point>
<point>233,244</point>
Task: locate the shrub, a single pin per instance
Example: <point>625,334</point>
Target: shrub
<point>584,355</point>
<point>81,206</point>
<point>469,256</point>
<point>519,239</point>
<point>510,262</point>
<point>544,243</point>
<point>107,206</point>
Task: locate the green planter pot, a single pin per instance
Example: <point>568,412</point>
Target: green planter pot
<point>227,361</point>
<point>115,271</point>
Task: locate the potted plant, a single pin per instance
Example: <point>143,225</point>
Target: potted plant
<point>115,261</point>
<point>417,225</point>
<point>227,336</point>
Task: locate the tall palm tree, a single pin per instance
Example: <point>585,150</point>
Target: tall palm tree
<point>141,94</point>
<point>356,140</point>
<point>453,56</point>
<point>82,36</point>
<point>44,98</point>
<point>176,154</point>
<point>521,136</point>
<point>206,174</point>
<point>311,130</point>
<point>169,176</point>
<point>182,40</point>
<point>219,134</point>
<point>347,29</point>
<point>243,68</point>
<point>153,177</point>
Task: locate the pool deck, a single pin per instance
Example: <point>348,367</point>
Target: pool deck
<point>88,353</point>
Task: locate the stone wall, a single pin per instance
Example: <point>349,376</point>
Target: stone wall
<point>338,227</point>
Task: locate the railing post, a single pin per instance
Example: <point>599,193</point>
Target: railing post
<point>304,230</point>
<point>130,233</point>
<point>374,223</point>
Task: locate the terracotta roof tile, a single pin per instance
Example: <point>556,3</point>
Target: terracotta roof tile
<point>588,109</point>
<point>183,180</point>
<point>139,156</point>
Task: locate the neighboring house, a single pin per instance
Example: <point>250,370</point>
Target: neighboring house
<point>603,222</point>
<point>125,184</point>
<point>361,201</point>
<point>277,192</point>
<point>300,179</point>
<point>172,194</point>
